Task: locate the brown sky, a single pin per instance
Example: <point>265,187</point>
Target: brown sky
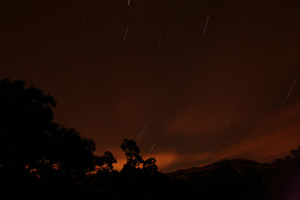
<point>204,80</point>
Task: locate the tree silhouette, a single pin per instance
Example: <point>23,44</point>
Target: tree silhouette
<point>25,118</point>
<point>134,160</point>
<point>296,153</point>
<point>149,166</point>
<point>70,152</point>
<point>31,141</point>
<point>132,154</point>
<point>105,162</point>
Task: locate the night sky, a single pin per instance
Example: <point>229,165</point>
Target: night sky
<point>192,81</point>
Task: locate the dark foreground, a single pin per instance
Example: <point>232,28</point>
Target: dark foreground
<point>228,179</point>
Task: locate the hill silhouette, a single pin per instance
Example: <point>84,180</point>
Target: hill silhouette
<point>236,167</point>
<point>227,179</point>
<point>40,159</point>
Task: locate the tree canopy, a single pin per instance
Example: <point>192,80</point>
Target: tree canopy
<point>135,160</point>
<point>30,140</point>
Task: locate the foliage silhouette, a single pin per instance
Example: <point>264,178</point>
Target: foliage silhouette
<point>36,154</point>
<point>105,162</point>
<point>134,161</point>
<point>31,141</point>
<point>149,166</point>
<point>131,151</point>
<point>25,118</point>
<point>70,152</point>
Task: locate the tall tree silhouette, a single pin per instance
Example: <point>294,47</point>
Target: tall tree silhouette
<point>132,153</point>
<point>31,141</point>
<point>134,160</point>
<point>25,118</point>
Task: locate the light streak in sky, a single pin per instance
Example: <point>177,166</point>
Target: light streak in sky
<point>229,117</point>
<point>125,33</point>
<point>151,149</point>
<point>291,88</point>
<point>158,44</point>
<point>205,25</point>
<point>212,88</point>
<point>145,127</point>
